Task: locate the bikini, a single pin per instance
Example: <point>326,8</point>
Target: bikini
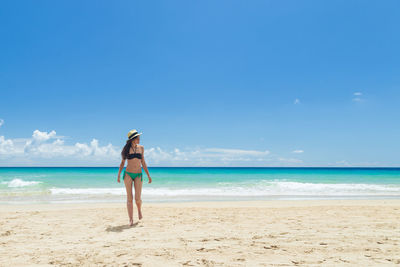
<point>133,175</point>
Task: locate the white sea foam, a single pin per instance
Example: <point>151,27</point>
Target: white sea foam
<point>266,188</point>
<point>20,183</point>
<point>87,191</point>
<point>333,189</point>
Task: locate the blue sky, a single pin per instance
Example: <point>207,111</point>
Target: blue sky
<point>209,83</point>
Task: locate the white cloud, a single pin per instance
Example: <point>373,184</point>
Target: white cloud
<point>43,136</point>
<point>357,97</point>
<point>207,157</point>
<point>298,151</point>
<point>296,101</point>
<point>50,148</point>
<point>1,122</point>
<point>6,145</point>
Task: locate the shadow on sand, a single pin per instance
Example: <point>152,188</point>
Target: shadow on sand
<point>121,227</point>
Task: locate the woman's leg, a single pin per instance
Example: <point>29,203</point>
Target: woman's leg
<point>129,200</point>
<point>138,195</point>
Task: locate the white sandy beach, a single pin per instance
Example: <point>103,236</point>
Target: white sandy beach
<point>246,233</point>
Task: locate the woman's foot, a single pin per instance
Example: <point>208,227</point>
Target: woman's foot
<point>130,222</point>
<point>140,214</point>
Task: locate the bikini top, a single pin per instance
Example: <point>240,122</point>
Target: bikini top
<point>134,155</point>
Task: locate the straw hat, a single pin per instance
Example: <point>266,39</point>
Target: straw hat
<point>133,133</point>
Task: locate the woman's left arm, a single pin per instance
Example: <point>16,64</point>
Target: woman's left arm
<point>145,165</point>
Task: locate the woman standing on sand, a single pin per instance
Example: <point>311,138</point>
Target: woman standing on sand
<point>134,153</point>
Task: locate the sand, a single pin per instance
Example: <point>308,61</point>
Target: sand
<point>245,233</point>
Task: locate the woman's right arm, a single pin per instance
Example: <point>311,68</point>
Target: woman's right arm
<point>121,166</point>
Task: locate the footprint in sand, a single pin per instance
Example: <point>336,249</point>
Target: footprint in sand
<point>205,249</point>
<point>271,247</point>
<point>309,251</point>
<point>6,233</point>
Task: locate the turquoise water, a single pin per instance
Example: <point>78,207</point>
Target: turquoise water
<point>55,185</point>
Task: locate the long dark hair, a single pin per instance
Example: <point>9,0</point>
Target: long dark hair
<point>125,150</point>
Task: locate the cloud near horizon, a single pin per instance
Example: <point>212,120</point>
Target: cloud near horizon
<point>50,149</point>
<point>208,157</point>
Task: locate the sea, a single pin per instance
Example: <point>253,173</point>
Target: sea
<point>52,185</point>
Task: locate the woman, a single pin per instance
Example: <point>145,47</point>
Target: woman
<point>134,153</point>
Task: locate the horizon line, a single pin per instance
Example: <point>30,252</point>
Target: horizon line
<point>266,167</point>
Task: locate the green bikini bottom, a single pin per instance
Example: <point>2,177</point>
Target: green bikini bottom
<point>133,175</point>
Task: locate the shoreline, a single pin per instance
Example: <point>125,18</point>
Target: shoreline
<point>210,204</point>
